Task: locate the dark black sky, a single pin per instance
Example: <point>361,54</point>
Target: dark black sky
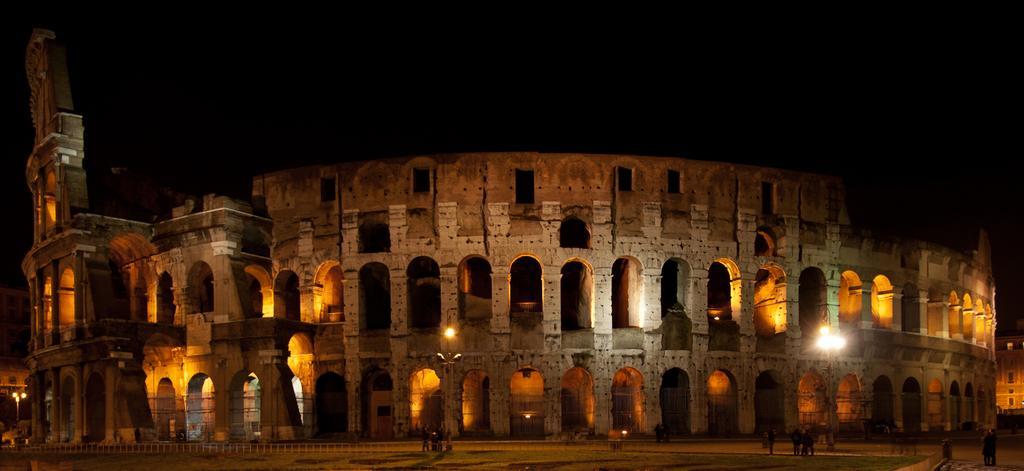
<point>921,124</point>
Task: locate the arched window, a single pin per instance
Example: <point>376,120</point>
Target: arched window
<point>165,299</point>
<point>527,405</point>
<point>769,301</point>
<point>911,405</point>
<point>260,291</point>
<point>628,400</point>
<point>723,403</point>
<point>850,303</point>
<point>525,287</point>
<point>286,296</point>
<point>848,403</point>
<point>332,295</point>
<point>577,286</point>
<point>881,302</point>
<point>67,298</point>
<point>764,243</point>
<point>50,200</point>
<point>967,314</point>
<point>425,408</point>
<point>813,297</point>
<point>374,297</point>
<point>719,292</point>
<point>424,293</point>
<point>474,289</point>
<point>201,287</point>
<point>574,234</point>
<point>627,291</point>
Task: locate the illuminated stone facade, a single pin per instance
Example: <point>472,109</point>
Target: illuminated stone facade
<point>1010,367</point>
<point>590,293</point>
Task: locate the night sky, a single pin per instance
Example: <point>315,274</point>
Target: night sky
<point>918,127</point>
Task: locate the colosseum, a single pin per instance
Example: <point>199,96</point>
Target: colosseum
<point>588,294</point>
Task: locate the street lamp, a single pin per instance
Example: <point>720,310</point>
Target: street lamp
<point>448,359</point>
<point>17,405</point>
<point>831,344</point>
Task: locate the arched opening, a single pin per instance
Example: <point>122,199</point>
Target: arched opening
<point>66,295</point>
<point>848,403</point>
<point>628,400</point>
<point>164,409</point>
<point>723,411</point>
<point>573,233</point>
<point>474,289</point>
<point>936,412</point>
<point>300,362</point>
<point>911,406</point>
<point>331,404</point>
<point>770,308</point>
<point>953,315</point>
<point>910,312</point>
<point>377,405</point>
<point>525,287</point>
<point>245,407</point>
<point>881,302</point>
<point>627,291</point>
<point>764,243</point>
<point>526,404</point>
<point>850,302</point>
<point>48,303</point>
<point>955,405</point>
<point>200,406</point>
<point>476,402</point>
<point>260,291</point>
<point>286,296</point>
<point>200,288</point>
<point>675,401</point>
<point>374,237</point>
<point>968,406</point>
<point>68,402</point>
<point>813,299</point>
<point>424,293</point>
<point>425,401</point>
<point>374,297</point>
<point>577,401</point>
<point>676,326</point>
<point>724,331</point>
<point>967,313</point>
<point>882,404</point>
<point>769,402</point>
<point>577,285</point>
<point>811,401</point>
<point>50,200</point>
<point>331,306</point>
<point>95,409</point>
<point>165,307</point>
<point>300,399</point>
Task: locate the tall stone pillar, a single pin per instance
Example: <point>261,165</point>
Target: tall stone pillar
<point>110,380</point>
<point>897,311</point>
<point>867,318</point>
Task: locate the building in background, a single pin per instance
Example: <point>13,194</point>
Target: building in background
<point>15,312</point>
<point>1009,367</point>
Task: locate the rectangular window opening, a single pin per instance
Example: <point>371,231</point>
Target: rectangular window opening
<point>421,180</point>
<point>524,186</point>
<point>327,190</point>
<point>625,178</point>
<point>673,181</point>
<point>767,198</point>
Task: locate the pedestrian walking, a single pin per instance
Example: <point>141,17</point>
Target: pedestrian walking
<point>426,440</point>
<point>988,447</point>
<point>771,441</point>
<point>797,439</point>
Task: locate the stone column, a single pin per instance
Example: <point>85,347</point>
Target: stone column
<point>922,312</point>
<point>222,402</point>
<point>499,299</point>
<point>79,405</point>
<point>867,317</point>
<point>56,419</point>
<point>602,308</point>
<point>552,305</point>
<point>111,375</point>
<point>944,319</point>
<point>955,322</point>
<point>399,301</point>
<point>449,296</point>
<point>897,311</point>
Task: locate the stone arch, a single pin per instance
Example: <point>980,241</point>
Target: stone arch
<point>526,403</point>
<point>674,396</point>
<point>770,301</point>
<point>201,288</point>
<point>475,289</point>
<point>723,403</point>
<point>50,199</point>
<point>164,409</point>
<point>260,291</point>
<point>374,297</point>
<point>425,401</point>
<point>628,400</point>
<point>329,293</point>
<point>627,292</point>
<point>300,362</point>
<point>200,408</point>
<point>66,298</point>
<point>423,281</point>
<point>813,301</point>
<point>911,405</point>
<point>676,325</point>
<point>848,403</point>
<point>882,405</point>
<point>910,314</point>
<point>573,233</point>
<point>955,405</point>
<point>723,291</point>
<point>287,301</point>
<point>476,402</point>
<point>165,306</point>
<point>953,315</point>
<point>95,408</point>
<point>850,292</point>
<point>967,316</point>
<point>526,290</point>
<point>577,400</point>
<point>331,404</point>
<point>769,402</point>
<point>577,293</point>
<point>377,416</point>
<point>811,401</point>
<point>245,407</point>
<point>936,405</point>
<point>881,302</point>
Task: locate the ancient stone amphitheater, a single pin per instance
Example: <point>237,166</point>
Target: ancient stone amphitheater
<point>589,294</point>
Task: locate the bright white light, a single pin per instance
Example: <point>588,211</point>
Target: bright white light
<point>830,342</point>
<point>526,416</point>
<point>449,333</point>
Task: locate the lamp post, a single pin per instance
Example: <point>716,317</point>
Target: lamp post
<point>18,396</point>
<point>830,344</point>
<point>448,359</point>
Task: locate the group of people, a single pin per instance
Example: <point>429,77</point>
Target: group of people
<point>432,440</point>
<point>803,442</point>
